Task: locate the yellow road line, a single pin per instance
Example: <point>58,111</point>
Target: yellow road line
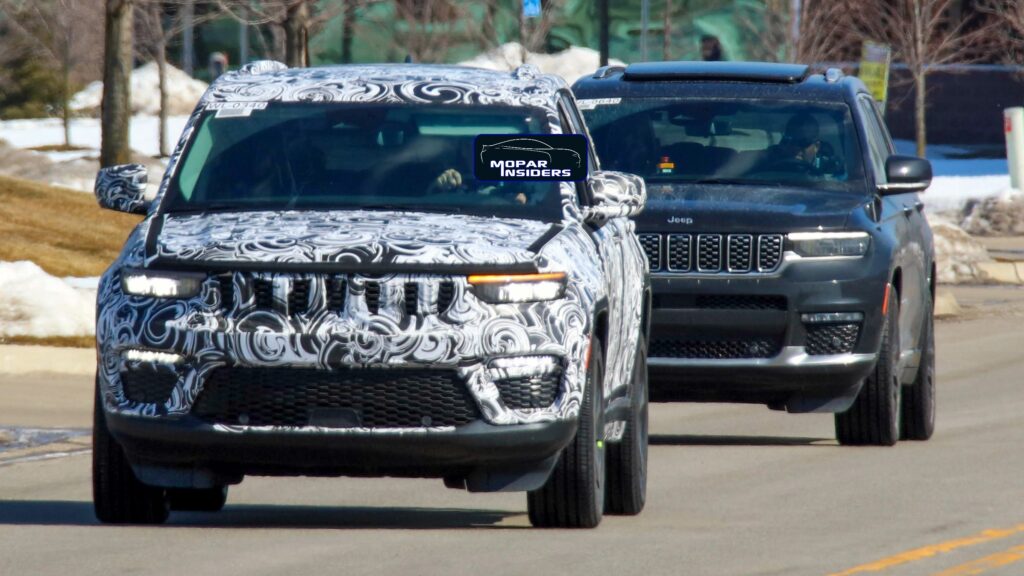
<point>982,565</point>
<point>932,550</point>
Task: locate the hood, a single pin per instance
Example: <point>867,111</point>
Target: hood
<point>730,208</point>
<point>345,240</point>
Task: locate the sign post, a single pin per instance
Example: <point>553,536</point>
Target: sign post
<point>1013,125</point>
<point>874,70</point>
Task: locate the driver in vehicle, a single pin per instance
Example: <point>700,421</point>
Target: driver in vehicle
<point>800,144</point>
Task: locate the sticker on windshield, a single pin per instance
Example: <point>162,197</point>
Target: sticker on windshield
<point>235,109</point>
<point>530,157</point>
<point>591,103</point>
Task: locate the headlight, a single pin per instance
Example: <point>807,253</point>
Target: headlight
<point>161,284</point>
<point>512,288</point>
<point>829,244</point>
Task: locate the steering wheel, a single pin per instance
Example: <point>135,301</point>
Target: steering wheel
<point>790,165</point>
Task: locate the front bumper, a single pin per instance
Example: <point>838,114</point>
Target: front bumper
<point>186,452</point>
<point>742,338</point>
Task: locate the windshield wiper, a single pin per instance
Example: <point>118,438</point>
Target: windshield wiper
<point>734,181</point>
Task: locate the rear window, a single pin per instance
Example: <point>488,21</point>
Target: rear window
<point>354,156</point>
<point>729,141</point>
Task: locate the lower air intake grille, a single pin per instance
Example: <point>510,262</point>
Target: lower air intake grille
<point>740,302</point>
<point>148,384</point>
<point>831,338</point>
<point>530,391</point>
<point>714,349</point>
<point>377,398</point>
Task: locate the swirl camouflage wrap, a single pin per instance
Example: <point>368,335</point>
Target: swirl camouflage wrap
<point>371,290</point>
<point>123,188</point>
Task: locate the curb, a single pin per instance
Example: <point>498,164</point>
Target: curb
<point>1001,272</point>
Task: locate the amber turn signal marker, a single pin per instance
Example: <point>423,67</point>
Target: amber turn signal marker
<point>512,278</point>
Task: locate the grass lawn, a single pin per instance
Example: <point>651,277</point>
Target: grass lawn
<point>63,231</point>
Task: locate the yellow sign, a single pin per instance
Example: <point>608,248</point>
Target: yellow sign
<point>874,70</point>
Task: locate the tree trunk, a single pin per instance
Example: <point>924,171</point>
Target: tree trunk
<point>296,42</point>
<point>117,70</point>
<point>666,39</point>
<point>161,66</point>
<point>920,103</point>
<point>65,89</point>
<point>347,31</point>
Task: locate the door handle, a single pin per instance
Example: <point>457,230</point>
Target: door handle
<point>919,206</point>
<point>907,211</point>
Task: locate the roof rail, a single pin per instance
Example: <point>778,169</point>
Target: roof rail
<point>262,67</point>
<point>606,71</point>
<point>717,71</point>
<point>833,75</point>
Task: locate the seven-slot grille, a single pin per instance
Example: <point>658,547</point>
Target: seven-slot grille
<point>713,253</point>
<point>300,294</point>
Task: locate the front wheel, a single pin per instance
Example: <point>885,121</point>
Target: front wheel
<point>918,409</point>
<point>118,496</point>
<point>573,496</point>
<point>627,459</point>
<point>874,418</point>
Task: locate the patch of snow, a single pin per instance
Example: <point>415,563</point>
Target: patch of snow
<point>1001,215</point>
<point>949,194</point>
<point>85,133</point>
<point>34,303</point>
<point>183,92</point>
<point>956,254</point>
<point>571,63</point>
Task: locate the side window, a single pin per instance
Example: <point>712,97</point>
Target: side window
<point>877,146</point>
<point>568,108</point>
<point>880,117</point>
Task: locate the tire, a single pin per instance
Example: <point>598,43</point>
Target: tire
<point>198,499</point>
<point>917,413</point>
<point>573,496</point>
<point>118,496</point>
<point>874,418</point>
<point>626,493</point>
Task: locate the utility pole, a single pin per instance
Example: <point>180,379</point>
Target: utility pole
<point>188,56</point>
<point>243,43</point>
<point>602,7</point>
<point>666,39</point>
<point>645,24</point>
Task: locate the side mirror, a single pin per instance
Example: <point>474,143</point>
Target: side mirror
<point>906,174</point>
<point>615,195</point>
<point>123,188</point>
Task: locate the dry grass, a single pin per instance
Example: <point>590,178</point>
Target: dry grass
<point>59,341</point>
<point>58,148</point>
<point>65,232</point>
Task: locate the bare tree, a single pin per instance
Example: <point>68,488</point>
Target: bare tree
<point>117,70</point>
<point>61,33</point>
<point>292,21</point>
<point>1007,20</point>
<point>428,29</point>
<point>158,21</point>
<point>818,32</point>
<point>922,36</point>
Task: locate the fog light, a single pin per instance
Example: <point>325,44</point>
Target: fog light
<point>151,357</point>
<point>831,317</point>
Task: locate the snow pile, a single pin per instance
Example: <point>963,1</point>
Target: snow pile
<point>956,254</point>
<point>571,63</point>
<point>1001,215</point>
<point>183,92</point>
<point>33,303</point>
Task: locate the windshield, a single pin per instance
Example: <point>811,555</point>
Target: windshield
<point>729,141</point>
<point>353,156</point>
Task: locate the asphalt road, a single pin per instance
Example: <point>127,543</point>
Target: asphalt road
<point>735,490</point>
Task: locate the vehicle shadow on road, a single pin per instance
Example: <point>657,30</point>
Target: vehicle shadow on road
<point>80,513</point>
<point>725,440</point>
